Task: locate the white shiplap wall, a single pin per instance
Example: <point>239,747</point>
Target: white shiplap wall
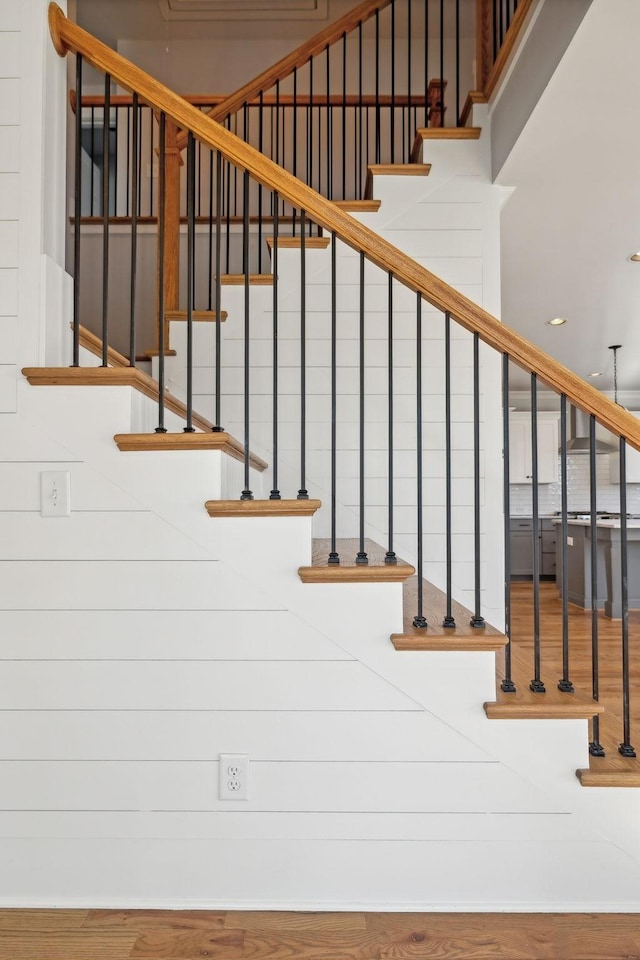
<point>10,97</point>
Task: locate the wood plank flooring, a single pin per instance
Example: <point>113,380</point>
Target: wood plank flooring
<point>610,672</point>
<point>226,935</point>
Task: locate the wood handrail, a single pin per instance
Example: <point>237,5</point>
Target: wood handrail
<point>283,100</point>
<point>297,58</point>
<point>68,36</point>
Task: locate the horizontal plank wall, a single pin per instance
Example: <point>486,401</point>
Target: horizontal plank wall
<point>10,98</point>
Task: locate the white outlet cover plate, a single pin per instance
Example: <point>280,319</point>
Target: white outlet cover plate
<point>233,776</point>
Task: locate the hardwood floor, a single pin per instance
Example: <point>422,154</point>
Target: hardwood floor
<point>227,935</point>
<point>610,671</point>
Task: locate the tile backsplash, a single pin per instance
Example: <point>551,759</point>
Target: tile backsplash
<point>549,494</point>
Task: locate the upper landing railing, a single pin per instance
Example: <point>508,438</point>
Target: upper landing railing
<point>417,307</point>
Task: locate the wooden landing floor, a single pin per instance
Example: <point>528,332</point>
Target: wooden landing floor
<point>229,935</point>
<point>609,633</point>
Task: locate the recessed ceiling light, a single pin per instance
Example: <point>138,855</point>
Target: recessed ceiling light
<point>635,257</point>
<point>556,322</point>
<point>595,374</point>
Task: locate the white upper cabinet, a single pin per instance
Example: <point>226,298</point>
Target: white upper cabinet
<point>520,460</point>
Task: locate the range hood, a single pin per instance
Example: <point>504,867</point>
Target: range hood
<point>578,439</point>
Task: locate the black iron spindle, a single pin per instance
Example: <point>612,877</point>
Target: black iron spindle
<point>536,685</point>
<point>507,685</point>
<point>161,253</point>
<point>392,58</point>
<point>409,38</point>
<point>344,116</point>
<point>275,491</point>
<point>105,220</point>
<point>390,556</point>
<point>334,556</point>
<point>218,282</point>
<point>93,158</point>
<point>260,148</point>
<point>419,620</point>
<point>77,213</point>
<point>246,493</point>
<point>564,684</point>
<point>426,62</point>
<point>359,150</point>
<point>449,620</point>
<point>477,620</point>
<point>302,492</point>
<point>295,136</point>
<point>329,138</point>
<point>441,78</point>
<point>625,749</point>
<point>151,161</point>
<point>310,122</point>
<point>127,207</point>
<point>191,265</point>
<point>361,556</point>
<point>134,237</point>
<point>457,67</point>
<point>595,747</point>
<point>377,83</point>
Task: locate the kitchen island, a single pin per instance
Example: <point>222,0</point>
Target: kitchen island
<point>609,564</point>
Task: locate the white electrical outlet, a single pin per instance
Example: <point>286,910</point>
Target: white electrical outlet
<point>55,493</point>
<point>233,776</point>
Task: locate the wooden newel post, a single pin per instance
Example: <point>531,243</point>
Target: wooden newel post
<point>173,162</point>
<point>484,52</point>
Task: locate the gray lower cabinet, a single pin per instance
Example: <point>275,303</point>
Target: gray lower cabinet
<point>521,541</point>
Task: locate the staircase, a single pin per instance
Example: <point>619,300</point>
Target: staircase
<point>209,618</point>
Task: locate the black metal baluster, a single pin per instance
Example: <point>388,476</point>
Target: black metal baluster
<point>457,67</point>
<point>246,493</point>
<point>477,620</point>
<point>138,147</point>
<point>390,556</point>
<point>449,620</point>
<point>191,242</point>
<point>210,263</point>
<point>134,237</point>
<point>419,620</point>
<point>127,208</point>
<point>495,30</point>
<point>595,747</point>
<point>260,148</point>
<point>377,79</point>
<point>361,556</point>
<point>161,252</point>
<point>426,62</point>
<point>359,150</point>
<point>392,119</point>
<point>105,220</point>
<point>409,32</point>
<point>329,137</point>
<point>625,749</point>
<point>151,163</point>
<point>218,281</point>
<point>93,157</point>
<point>295,136</point>
<point>344,116</point>
<point>441,80</point>
<point>310,115</point>
<point>536,685</point>
<point>77,213</point>
<point>228,208</point>
<point>507,685</point>
<point>564,684</point>
<point>334,556</point>
<point>115,166</point>
<point>302,492</point>
<point>275,491</point>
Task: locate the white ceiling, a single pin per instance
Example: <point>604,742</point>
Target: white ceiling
<point>574,217</point>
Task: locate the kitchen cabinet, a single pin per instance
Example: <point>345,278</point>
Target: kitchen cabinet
<point>520,467</point>
<point>521,545</point>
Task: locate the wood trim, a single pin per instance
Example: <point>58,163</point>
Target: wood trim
<point>295,243</point>
<point>444,641</point>
<point>297,58</point>
<point>269,100</point>
<point>355,234</point>
<point>140,442</point>
<point>508,47</point>
<point>449,133</point>
<point>358,206</point>
<point>608,778</point>
<point>255,279</point>
<point>198,316</point>
<point>542,709</point>
<point>262,508</point>
<point>473,97</point>
<point>131,377</point>
<point>397,573</point>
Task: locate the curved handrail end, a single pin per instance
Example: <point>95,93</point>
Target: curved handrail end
<point>56,17</point>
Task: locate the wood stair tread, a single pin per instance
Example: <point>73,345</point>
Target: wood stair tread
<point>255,279</point>
<point>441,133</point>
<point>197,315</point>
<point>393,169</point>
<point>295,243</point>
<point>262,508</point>
<point>348,571</point>
<point>436,637</point>
<point>211,440</point>
<point>552,705</point>
<point>358,206</point>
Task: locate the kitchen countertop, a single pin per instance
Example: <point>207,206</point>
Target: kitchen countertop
<point>611,524</point>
